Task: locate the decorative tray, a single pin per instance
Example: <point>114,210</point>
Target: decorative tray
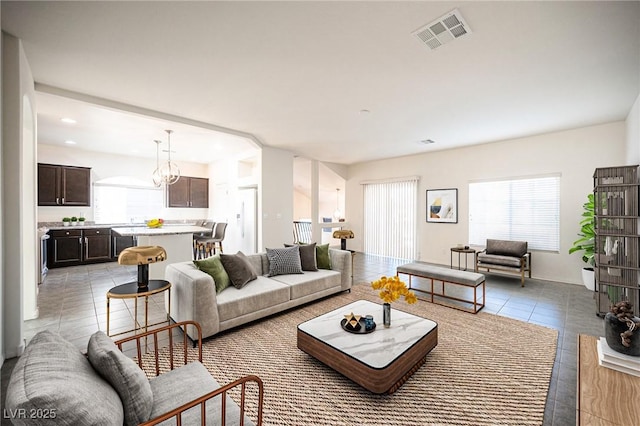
<point>358,329</point>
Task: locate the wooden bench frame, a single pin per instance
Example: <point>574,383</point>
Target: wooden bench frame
<point>476,305</point>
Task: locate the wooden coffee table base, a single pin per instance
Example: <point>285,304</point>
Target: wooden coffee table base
<point>383,380</point>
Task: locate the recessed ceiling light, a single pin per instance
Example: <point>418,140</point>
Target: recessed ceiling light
<point>70,142</point>
<point>364,111</point>
<point>427,141</point>
<point>68,120</point>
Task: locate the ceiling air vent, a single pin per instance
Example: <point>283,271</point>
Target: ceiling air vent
<point>443,30</point>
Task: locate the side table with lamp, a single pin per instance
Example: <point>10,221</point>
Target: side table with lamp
<point>343,235</point>
<point>141,256</point>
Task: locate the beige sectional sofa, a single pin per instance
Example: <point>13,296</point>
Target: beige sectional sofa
<point>193,292</point>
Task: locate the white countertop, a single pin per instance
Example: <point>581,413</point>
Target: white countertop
<point>164,230</point>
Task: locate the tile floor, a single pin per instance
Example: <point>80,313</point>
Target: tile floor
<point>72,301</point>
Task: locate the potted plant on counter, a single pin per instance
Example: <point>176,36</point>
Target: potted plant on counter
<point>66,221</point>
<point>586,243</point>
<point>74,221</point>
<point>81,220</point>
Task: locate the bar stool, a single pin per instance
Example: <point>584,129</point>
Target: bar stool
<point>143,287</point>
<point>207,246</point>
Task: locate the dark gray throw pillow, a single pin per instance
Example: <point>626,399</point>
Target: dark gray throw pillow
<point>238,268</point>
<point>124,375</point>
<point>307,256</point>
<point>283,261</point>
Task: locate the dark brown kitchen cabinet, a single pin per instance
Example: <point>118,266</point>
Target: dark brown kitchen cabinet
<point>78,246</point>
<point>65,248</point>
<point>63,185</point>
<point>119,243</point>
<point>189,192</point>
<point>97,244</point>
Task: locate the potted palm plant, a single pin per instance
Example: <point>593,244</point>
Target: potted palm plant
<point>586,242</point>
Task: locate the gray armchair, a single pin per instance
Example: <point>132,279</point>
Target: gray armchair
<point>505,256</point>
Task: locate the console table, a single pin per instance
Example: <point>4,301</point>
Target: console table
<point>605,396</point>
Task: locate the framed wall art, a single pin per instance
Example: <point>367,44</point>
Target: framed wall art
<point>442,205</point>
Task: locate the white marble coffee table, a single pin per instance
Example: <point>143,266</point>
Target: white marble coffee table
<point>380,361</point>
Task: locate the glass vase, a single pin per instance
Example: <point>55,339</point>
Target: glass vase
<point>386,314</point>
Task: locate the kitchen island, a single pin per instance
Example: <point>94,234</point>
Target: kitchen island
<point>177,240</point>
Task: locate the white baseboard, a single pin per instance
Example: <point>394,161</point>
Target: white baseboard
<point>16,351</point>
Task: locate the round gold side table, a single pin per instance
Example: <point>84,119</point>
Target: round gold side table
<point>133,291</point>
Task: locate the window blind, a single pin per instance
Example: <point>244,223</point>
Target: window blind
<point>525,209</point>
<point>390,218</point>
<point>126,204</point>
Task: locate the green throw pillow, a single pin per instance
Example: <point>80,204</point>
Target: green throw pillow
<point>322,256</point>
<point>213,266</point>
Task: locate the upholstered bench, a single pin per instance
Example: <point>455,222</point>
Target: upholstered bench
<point>505,256</point>
<point>446,276</point>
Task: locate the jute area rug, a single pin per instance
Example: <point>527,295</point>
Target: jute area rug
<point>485,370</point>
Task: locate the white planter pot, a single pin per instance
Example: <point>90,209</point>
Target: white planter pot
<point>589,278</point>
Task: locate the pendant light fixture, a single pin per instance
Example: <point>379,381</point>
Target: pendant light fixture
<point>337,214</point>
<point>168,173</point>
<point>157,179</point>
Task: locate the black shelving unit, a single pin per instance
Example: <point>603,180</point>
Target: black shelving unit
<point>617,241</point>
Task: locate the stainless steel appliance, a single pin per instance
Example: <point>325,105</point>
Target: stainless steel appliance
<point>42,259</point>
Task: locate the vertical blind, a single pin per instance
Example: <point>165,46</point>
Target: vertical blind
<point>390,216</point>
<point>526,209</point>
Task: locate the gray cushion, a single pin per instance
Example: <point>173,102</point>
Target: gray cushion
<point>184,384</point>
<point>311,282</point>
<point>213,266</point>
<point>262,294</point>
<point>238,268</point>
<point>284,261</point>
<point>124,375</point>
<point>307,256</point>
<point>54,377</point>
<point>451,275</point>
<point>499,260</point>
<point>507,248</point>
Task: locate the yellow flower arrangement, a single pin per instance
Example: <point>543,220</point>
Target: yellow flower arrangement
<point>391,288</point>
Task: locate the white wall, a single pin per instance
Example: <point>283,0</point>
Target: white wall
<point>109,165</point>
<point>633,134</point>
<point>574,153</point>
<point>18,191</point>
<point>275,196</point>
<point>1,207</point>
<point>301,205</point>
